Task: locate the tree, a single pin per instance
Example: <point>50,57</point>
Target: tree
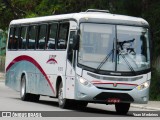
<point>16,9</point>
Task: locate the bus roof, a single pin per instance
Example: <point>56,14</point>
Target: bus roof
<point>98,17</point>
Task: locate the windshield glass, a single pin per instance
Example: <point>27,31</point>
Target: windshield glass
<point>133,47</point>
<point>96,42</point>
<point>114,47</point>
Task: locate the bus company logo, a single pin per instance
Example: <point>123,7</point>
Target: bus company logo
<point>52,59</point>
<point>114,84</point>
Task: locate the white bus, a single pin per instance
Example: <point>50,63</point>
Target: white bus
<point>80,58</point>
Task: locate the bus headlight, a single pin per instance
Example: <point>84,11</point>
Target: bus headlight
<point>143,85</point>
<point>84,82</point>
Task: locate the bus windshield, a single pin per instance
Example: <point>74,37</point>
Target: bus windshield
<point>114,47</point>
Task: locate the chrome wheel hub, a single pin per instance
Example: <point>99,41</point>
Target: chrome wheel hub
<point>60,96</point>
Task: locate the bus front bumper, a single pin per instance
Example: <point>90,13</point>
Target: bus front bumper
<point>94,94</point>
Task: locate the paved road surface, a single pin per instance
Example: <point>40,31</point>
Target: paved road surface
<point>10,101</point>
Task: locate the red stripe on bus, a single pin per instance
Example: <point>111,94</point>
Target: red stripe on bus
<point>31,60</point>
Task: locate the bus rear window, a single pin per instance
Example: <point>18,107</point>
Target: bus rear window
<point>10,38</point>
<point>15,38</point>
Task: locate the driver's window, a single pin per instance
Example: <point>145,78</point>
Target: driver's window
<point>63,35</point>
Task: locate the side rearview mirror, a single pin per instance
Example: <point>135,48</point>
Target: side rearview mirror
<point>75,42</point>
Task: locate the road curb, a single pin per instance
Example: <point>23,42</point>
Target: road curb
<point>145,107</point>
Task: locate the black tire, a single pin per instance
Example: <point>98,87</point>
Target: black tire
<point>122,108</point>
<point>63,103</point>
<point>27,96</point>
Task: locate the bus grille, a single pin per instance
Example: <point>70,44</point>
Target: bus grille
<point>114,89</point>
<point>115,78</point>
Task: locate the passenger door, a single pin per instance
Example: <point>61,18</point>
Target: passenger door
<point>70,72</point>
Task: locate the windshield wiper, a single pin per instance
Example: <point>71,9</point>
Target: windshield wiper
<point>104,60</point>
<point>123,56</point>
<point>129,65</point>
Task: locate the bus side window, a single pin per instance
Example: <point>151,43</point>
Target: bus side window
<point>42,36</point>
<point>23,36</point>
<point>52,36</point>
<point>63,36</point>
<point>32,37</point>
<point>10,38</point>
<point>15,38</point>
<point>20,40</point>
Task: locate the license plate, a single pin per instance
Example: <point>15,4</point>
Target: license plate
<point>113,100</point>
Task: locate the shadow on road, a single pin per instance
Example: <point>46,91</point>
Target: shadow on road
<point>85,110</point>
<point>81,111</point>
<point>51,103</point>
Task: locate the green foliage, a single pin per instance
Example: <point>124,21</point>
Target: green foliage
<point>31,15</point>
<point>153,16</point>
<point>155,85</point>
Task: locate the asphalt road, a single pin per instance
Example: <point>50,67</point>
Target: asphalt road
<point>10,101</point>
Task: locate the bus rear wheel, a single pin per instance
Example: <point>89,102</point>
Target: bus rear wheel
<point>122,108</point>
<point>63,103</point>
<point>27,96</point>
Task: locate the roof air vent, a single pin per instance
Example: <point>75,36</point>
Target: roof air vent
<point>96,10</point>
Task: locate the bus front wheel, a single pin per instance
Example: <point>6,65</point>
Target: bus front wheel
<point>63,103</point>
<point>122,108</point>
